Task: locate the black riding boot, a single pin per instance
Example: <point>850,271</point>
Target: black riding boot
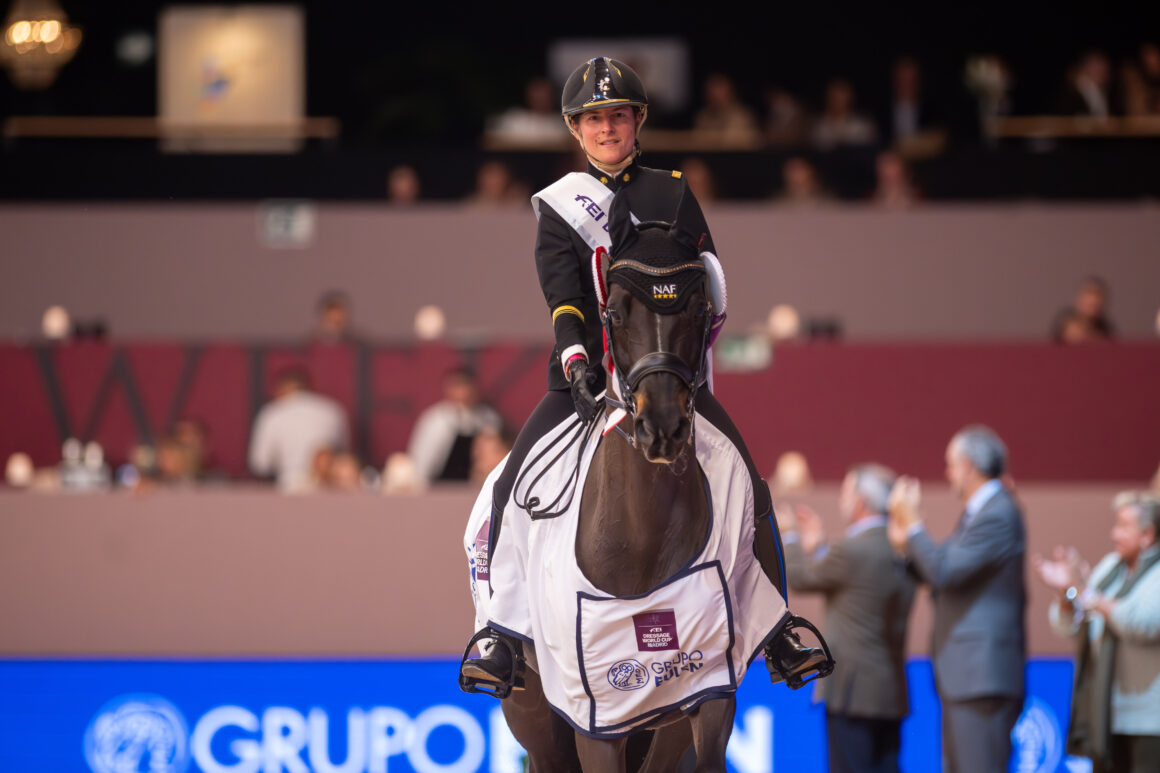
<point>786,658</point>
<point>499,668</point>
<point>498,671</point>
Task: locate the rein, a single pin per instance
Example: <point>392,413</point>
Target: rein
<point>575,436</point>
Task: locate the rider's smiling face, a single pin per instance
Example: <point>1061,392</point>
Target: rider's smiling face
<point>608,134</point>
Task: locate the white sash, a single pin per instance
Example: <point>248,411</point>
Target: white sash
<point>583,202</point>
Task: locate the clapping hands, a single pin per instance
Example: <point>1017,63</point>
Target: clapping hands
<point>803,521</point>
<point>810,529</point>
<point>1065,569</point>
<point>905,498</point>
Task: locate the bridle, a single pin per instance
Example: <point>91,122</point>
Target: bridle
<point>659,361</point>
<point>624,384</point>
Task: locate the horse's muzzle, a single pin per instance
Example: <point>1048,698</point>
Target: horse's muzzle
<point>662,426</point>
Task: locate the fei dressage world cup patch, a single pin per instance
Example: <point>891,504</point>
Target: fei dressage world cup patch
<point>656,630</point>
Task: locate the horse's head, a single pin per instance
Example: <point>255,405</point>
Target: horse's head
<point>656,319</point>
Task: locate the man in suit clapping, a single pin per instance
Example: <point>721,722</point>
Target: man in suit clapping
<point>868,592</point>
<point>978,644</point>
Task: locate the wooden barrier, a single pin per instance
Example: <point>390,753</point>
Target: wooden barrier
<point>242,571</point>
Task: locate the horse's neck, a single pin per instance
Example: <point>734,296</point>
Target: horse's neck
<point>640,522</point>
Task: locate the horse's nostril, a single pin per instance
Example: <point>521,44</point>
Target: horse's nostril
<point>661,440</point>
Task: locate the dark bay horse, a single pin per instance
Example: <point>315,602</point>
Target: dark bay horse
<point>644,512</point>
<point>645,515</point>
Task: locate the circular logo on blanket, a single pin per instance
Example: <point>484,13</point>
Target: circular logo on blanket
<point>627,675</point>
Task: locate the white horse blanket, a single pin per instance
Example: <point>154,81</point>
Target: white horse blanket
<point>608,664</point>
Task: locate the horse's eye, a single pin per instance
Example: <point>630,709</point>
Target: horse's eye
<point>613,316</point>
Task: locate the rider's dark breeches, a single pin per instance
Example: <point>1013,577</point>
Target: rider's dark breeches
<point>556,406</point>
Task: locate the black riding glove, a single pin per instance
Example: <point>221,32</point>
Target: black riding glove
<point>582,383</point>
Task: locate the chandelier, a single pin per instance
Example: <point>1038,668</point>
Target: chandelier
<point>38,41</point>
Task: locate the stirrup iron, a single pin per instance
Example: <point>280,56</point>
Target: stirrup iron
<point>490,686</point>
<point>821,670</point>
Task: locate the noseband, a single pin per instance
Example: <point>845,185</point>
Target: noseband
<point>656,361</point>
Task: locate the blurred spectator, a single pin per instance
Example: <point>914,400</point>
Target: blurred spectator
<point>978,645</point>
<point>839,125</point>
<point>333,324</point>
<point>19,472</point>
<point>291,428</point>
<point>345,473</point>
<point>723,116</point>
<point>320,467</point>
<point>181,457</point>
<point>56,325</point>
<point>791,475</point>
<point>700,179</point>
<point>868,594</point>
<point>1071,327</point>
<point>82,466</point>
<point>989,80</point>
<point>894,188</point>
<point>400,476</point>
<point>488,449</point>
<point>800,184</point>
<point>194,438</point>
<point>1087,89</point>
<point>1139,86</point>
<point>1149,58</point>
<point>1114,616</point>
<point>440,444</point>
<point>174,464</point>
<point>905,114</point>
<point>535,123</point>
<point>911,118</point>
<point>1087,319</point>
<point>495,187</point>
<point>786,121</point>
<point>1135,98</point>
<point>403,186</point>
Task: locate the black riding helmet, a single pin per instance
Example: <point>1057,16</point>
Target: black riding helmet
<point>601,82</point>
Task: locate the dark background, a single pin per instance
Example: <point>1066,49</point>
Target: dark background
<point>414,83</point>
<point>429,73</point>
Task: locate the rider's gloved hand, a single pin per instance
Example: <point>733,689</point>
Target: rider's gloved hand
<point>582,382</point>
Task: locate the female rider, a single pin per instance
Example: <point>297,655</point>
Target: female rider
<point>604,105</point>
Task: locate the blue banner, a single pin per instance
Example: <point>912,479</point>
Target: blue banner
<point>357,716</point>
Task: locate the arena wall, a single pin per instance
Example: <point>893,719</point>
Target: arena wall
<point>183,270</point>
<point>237,572</point>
